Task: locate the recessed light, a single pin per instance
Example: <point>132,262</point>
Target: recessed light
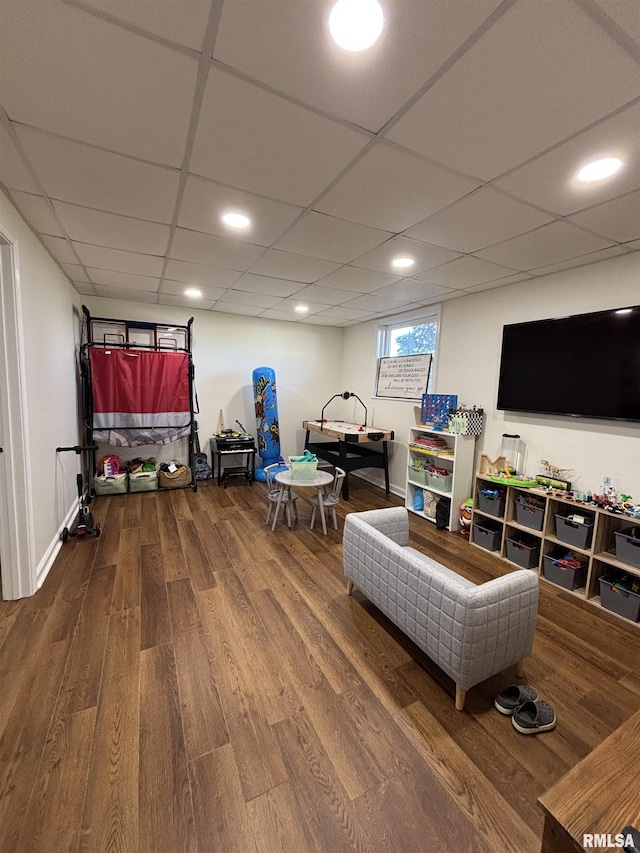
<point>402,263</point>
<point>599,169</point>
<point>193,293</point>
<point>356,24</point>
<point>236,220</point>
<point>301,309</point>
<point>624,311</point>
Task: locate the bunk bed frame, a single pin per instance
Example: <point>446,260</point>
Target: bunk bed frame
<point>103,336</point>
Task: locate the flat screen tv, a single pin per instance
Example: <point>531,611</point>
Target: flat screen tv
<point>585,365</point>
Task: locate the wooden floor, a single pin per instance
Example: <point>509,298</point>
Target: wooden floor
<point>193,682</point>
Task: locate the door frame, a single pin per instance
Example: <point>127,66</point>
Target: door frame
<point>17,547</point>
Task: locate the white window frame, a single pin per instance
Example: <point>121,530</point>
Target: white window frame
<point>413,318</point>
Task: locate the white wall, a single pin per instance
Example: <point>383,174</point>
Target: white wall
<point>226,350</point>
<point>468,363</point>
<point>50,332</point>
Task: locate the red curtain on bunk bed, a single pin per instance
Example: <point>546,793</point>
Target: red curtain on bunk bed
<point>139,396</point>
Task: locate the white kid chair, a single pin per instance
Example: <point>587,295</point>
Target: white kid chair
<point>330,500</point>
<point>288,499</point>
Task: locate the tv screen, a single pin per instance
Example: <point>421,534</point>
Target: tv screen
<point>586,365</point>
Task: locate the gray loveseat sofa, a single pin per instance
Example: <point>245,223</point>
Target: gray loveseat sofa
<point>471,631</point>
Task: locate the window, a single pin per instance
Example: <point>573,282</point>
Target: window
<point>411,335</point>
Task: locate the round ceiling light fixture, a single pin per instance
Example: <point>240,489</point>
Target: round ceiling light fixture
<point>599,169</point>
<point>193,293</point>
<point>236,220</point>
<point>402,263</point>
<point>356,24</point>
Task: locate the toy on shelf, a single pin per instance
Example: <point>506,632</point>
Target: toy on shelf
<point>466,515</point>
<point>510,477</point>
<point>491,466</point>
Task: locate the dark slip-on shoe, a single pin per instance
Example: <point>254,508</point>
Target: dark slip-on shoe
<point>534,717</point>
<point>513,696</point>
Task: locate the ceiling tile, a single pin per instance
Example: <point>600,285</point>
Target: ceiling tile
<point>551,181</point>
<point>411,291</point>
<point>501,282</point>
<point>342,312</point>
<point>84,175</point>
<point>129,295</point>
<point>331,239</point>
<point>185,302</point>
<point>117,261</point>
<point>123,280</point>
<point>292,267</point>
<point>542,72</point>
<point>13,172</point>
<point>390,189</point>
<point>555,242</point>
<point>217,251</point>
<point>76,272</point>
<point>618,219</point>
<point>177,288</point>
<point>320,320</point>
<point>200,274</point>
<point>589,258</point>
<point>324,295</point>
<point>204,202</point>
<point>85,288</point>
<point>262,143</point>
<point>625,13</point>
<point>255,300</point>
<point>289,306</point>
<point>309,66</point>
<point>136,99</point>
<point>37,213</point>
<point>274,314</point>
<point>60,249</point>
<point>230,308</point>
<point>478,220</point>
<point>425,256</point>
<point>358,280</point>
<point>268,286</point>
<point>464,272</point>
<point>372,302</point>
<point>164,18</point>
<point>111,230</point>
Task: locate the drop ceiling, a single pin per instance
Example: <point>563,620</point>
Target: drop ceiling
<point>127,127</point>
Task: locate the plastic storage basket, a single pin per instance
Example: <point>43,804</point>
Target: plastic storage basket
<point>574,532</point>
<point>529,514</point>
<point>628,546</point>
<point>441,482</point>
<point>487,534</point>
<point>492,504</point>
<point>615,596</point>
<point>522,553</point>
<point>557,568</point>
<point>418,475</point>
<point>303,470</point>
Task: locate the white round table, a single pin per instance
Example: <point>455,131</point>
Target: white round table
<point>286,480</point>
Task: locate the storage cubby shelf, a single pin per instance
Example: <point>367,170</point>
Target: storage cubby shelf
<point>599,553</point>
<point>456,459</point>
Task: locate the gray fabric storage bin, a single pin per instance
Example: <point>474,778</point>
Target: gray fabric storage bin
<point>569,577</point>
<point>487,534</point>
<point>621,601</point>
<point>628,546</point>
<point>522,554</point>
<point>143,481</point>
<point>574,533</point>
<point>529,515</point>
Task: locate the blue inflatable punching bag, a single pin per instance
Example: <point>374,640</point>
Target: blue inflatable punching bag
<point>267,425</point>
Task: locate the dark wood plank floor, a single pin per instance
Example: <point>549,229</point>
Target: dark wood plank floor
<point>193,682</point>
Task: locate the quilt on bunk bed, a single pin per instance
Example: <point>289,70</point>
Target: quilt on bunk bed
<point>139,396</point>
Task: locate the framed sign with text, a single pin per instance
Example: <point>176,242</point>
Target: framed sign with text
<point>403,377</point>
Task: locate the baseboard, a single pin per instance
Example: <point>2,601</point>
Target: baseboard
<point>52,551</point>
<point>395,490</point>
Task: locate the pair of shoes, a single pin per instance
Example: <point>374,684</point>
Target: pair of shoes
<point>529,715</point>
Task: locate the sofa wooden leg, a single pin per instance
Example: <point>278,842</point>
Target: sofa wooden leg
<point>520,669</point>
<point>349,587</point>
<point>460,697</point>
